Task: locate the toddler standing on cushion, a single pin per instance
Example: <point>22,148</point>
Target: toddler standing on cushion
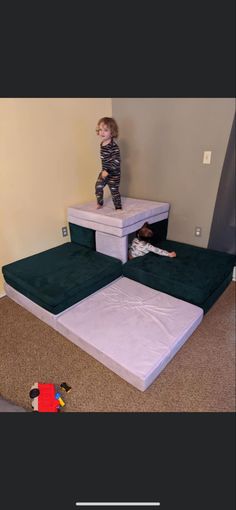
<point>107,129</point>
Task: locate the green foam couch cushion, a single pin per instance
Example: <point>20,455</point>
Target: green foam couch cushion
<point>60,277</point>
<point>82,236</point>
<point>197,275</point>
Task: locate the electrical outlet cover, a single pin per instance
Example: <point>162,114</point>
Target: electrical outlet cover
<point>64,231</point>
<point>207,157</point>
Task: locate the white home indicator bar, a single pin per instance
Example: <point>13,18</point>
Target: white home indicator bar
<point>154,503</point>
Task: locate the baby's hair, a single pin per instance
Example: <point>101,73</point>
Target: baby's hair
<point>111,124</point>
<point>145,232</point>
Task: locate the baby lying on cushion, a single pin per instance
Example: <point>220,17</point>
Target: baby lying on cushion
<point>141,244</point>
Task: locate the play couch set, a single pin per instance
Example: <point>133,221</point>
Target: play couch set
<point>132,316</point>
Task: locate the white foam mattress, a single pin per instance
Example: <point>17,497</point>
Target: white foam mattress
<point>134,213</point>
<point>130,328</point>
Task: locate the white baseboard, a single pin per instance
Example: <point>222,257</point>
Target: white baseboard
<point>234,274</point>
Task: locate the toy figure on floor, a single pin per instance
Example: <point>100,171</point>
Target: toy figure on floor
<point>107,129</point>
<point>141,244</point>
<point>46,398</point>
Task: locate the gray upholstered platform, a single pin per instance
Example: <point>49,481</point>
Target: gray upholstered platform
<point>113,227</point>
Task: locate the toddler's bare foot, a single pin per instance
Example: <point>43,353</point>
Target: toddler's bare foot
<point>99,206</point>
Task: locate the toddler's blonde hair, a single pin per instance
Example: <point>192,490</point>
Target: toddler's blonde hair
<point>111,124</point>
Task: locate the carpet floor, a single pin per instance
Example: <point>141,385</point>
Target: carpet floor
<point>200,378</point>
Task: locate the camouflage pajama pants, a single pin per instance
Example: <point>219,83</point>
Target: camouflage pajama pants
<point>113,181</point>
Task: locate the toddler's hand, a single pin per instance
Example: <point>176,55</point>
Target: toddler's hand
<point>104,174</point>
<point>172,254</point>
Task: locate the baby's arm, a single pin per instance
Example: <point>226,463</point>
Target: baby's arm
<point>159,251</point>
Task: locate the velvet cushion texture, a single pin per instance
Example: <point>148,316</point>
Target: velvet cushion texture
<point>60,277</point>
<point>82,236</point>
<point>197,275</point>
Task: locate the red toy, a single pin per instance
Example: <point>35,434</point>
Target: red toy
<point>45,397</point>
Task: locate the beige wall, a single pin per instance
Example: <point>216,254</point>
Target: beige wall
<point>49,160</point>
<point>162,143</point>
